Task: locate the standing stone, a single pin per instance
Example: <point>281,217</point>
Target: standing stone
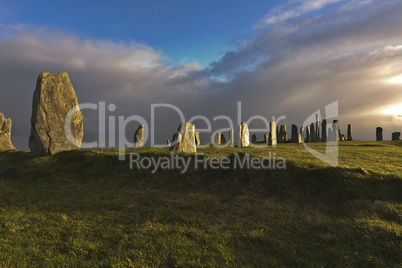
<point>378,133</point>
<point>218,138</point>
<point>335,130</point>
<point>283,134</point>
<point>231,136</point>
<point>330,135</point>
<point>223,139</point>
<point>243,135</point>
<point>299,138</point>
<point>139,137</point>
<point>324,135</point>
<point>168,143</point>
<point>307,131</point>
<point>317,127</point>
<point>340,135</point>
<point>350,138</point>
<point>185,138</point>
<point>254,139</point>
<point>53,99</point>
<point>396,136</point>
<point>272,140</point>
<point>295,134</point>
<point>197,138</point>
<point>5,133</point>
<point>266,138</point>
<point>313,137</point>
<point>302,133</point>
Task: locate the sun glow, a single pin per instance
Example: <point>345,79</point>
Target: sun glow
<point>395,110</point>
<point>395,80</point>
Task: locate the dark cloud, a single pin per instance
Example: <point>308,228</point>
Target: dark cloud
<point>294,66</point>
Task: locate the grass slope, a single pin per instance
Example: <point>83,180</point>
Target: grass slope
<point>86,208</point>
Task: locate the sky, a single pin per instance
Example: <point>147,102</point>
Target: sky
<point>279,59</point>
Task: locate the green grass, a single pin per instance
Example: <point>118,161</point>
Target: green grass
<point>86,208</point>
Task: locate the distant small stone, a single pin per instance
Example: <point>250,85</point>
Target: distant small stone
<point>396,136</point>
<point>139,137</point>
<point>254,139</point>
<point>223,139</point>
<point>378,133</point>
<point>350,138</point>
<point>5,133</point>
<point>218,138</point>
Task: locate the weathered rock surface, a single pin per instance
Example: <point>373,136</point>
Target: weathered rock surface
<point>396,136</point>
<point>313,137</point>
<point>139,137</point>
<point>378,133</point>
<point>5,133</point>
<point>231,136</point>
<point>185,137</point>
<point>244,135</point>
<point>335,130</point>
<point>53,99</point>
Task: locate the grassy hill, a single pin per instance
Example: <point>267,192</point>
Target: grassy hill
<point>86,208</point>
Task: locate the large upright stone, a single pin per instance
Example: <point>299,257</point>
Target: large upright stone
<point>53,103</point>
<point>396,136</point>
<point>184,138</point>
<point>378,133</point>
<point>283,134</point>
<point>324,134</point>
<point>139,137</point>
<point>272,139</point>
<point>350,138</point>
<point>5,133</point>
<point>243,135</point>
<point>295,134</point>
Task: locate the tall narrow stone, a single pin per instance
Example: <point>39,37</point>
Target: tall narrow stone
<point>197,138</point>
<point>266,138</point>
<point>307,132</point>
<point>272,139</point>
<point>5,133</point>
<point>231,136</point>
<point>317,127</point>
<point>335,130</point>
<point>313,137</point>
<point>396,136</point>
<point>295,134</point>
<point>56,122</point>
<point>378,133</point>
<point>218,138</point>
<point>324,134</point>
<point>243,135</point>
<point>139,137</point>
<point>350,138</point>
<point>302,133</point>
<point>185,138</point>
